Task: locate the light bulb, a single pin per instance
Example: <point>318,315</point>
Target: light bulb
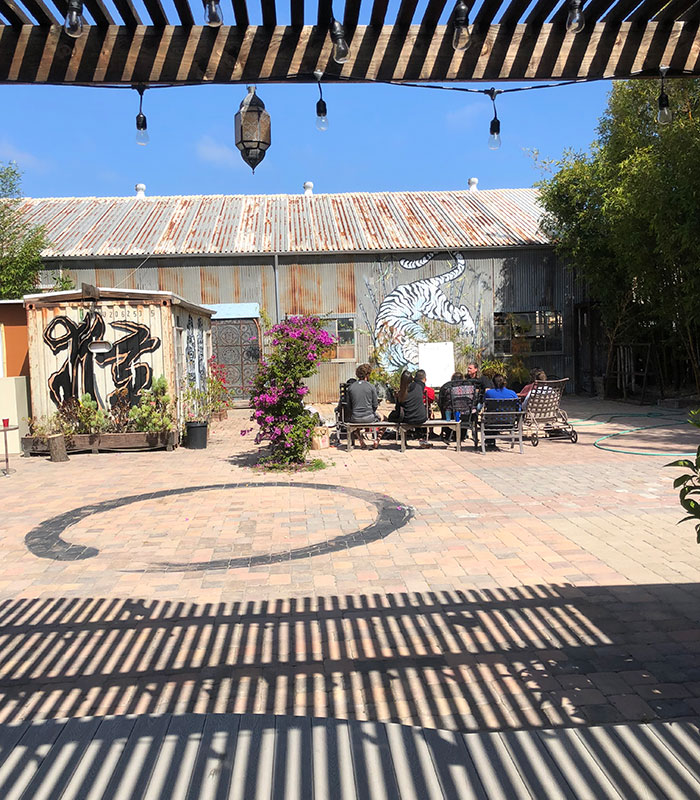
<point>73,25</point>
<point>575,22</point>
<point>321,116</point>
<point>495,134</point>
<point>665,115</point>
<point>212,14</point>
<point>461,39</point>
<point>460,18</point>
<point>341,51</point>
<point>142,136</point>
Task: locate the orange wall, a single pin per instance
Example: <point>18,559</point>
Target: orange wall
<point>14,320</point>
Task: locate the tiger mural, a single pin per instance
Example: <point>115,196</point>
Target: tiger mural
<point>397,324</point>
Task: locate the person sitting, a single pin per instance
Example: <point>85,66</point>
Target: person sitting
<point>535,375</point>
<point>428,392</point>
<point>500,391</point>
<point>473,375</point>
<point>445,402</point>
<point>410,407</point>
<point>363,401</point>
<point>445,395</point>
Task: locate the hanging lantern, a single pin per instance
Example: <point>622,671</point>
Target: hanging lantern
<point>252,125</point>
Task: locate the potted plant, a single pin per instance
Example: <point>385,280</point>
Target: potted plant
<point>218,391</point>
<point>196,412</point>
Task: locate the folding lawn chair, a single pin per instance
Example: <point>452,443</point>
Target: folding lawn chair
<point>543,414</point>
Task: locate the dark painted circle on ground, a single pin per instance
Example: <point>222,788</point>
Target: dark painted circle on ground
<point>45,540</point>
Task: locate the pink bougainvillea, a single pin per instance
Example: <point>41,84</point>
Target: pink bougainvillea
<point>298,345</point>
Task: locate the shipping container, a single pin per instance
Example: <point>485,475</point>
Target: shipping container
<point>105,341</point>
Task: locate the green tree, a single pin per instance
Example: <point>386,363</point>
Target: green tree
<point>20,243</point>
<point>625,215</point>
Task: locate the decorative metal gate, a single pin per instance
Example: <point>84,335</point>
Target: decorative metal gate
<point>236,345</point>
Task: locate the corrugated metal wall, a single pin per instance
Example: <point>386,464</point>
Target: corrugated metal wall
<point>522,279</point>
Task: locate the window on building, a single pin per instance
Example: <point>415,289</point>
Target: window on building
<point>342,329</point>
<point>522,332</point>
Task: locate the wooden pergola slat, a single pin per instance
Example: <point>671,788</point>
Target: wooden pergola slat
<point>99,13</point>
<point>297,13</point>
<point>41,12</point>
<point>673,10</point>
<point>529,42</point>
<point>432,14</point>
<point>240,11</point>
<point>13,13</point>
<point>156,13</point>
<point>184,12</point>
<point>269,13</point>
<point>128,13</point>
<point>192,55</point>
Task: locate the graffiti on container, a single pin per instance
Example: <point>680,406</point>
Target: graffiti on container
<point>202,372</point>
<point>129,375</point>
<point>400,318</point>
<point>191,353</point>
<point>76,376</point>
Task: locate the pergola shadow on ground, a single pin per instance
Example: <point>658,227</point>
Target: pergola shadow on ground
<point>502,659</point>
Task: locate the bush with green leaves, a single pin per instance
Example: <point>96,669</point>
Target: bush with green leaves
<point>298,344</point>
<point>154,411</point>
<point>689,482</point>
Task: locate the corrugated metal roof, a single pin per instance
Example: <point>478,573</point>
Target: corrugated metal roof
<point>321,223</point>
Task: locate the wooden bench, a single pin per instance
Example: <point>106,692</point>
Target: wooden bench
<point>433,423</point>
<point>356,426</point>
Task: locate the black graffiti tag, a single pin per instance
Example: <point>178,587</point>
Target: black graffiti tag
<point>76,376</point>
<point>128,374</point>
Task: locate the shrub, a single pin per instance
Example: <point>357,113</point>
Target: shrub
<point>689,483</point>
<point>154,412</point>
<point>298,346</point>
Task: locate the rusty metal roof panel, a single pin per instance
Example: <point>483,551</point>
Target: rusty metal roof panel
<point>250,224</point>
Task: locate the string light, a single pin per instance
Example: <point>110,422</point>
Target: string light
<point>142,136</point>
<point>665,115</point>
<point>321,108</point>
<point>341,51</point>
<point>461,38</point>
<point>575,22</point>
<point>73,25</point>
<point>212,14</point>
<point>495,127</point>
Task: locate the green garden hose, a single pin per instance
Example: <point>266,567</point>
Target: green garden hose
<point>649,415</point>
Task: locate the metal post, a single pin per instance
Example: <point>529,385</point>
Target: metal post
<point>275,266</point>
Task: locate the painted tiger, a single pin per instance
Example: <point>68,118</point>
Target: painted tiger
<point>397,324</point>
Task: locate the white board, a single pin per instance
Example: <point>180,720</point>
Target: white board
<point>438,361</point>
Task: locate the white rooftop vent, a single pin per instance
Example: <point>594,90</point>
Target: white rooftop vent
<point>140,190</point>
<point>473,184</point>
<point>308,189</point>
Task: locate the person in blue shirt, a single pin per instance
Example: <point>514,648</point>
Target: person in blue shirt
<point>499,390</point>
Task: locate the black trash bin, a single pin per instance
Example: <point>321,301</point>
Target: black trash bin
<point>196,435</point>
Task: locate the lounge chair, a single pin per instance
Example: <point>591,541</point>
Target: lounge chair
<point>543,414</point>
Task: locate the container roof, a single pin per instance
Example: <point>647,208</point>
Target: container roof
<point>98,227</point>
<point>108,293</point>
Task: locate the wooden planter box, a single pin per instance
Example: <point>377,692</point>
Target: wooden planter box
<point>95,442</point>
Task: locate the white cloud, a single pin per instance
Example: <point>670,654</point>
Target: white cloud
<point>464,118</point>
<point>214,152</point>
<point>24,160</point>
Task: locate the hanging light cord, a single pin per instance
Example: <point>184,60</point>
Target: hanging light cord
<point>493,94</point>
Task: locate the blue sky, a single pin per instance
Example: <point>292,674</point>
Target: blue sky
<point>72,141</point>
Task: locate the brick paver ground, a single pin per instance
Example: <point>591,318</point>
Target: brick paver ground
<point>549,588</point>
